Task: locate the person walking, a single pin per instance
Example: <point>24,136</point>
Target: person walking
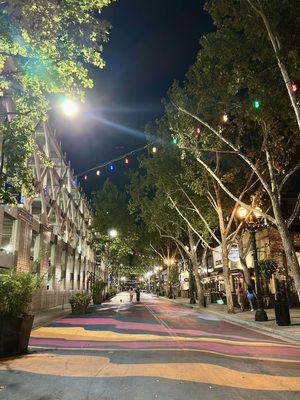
<point>131,292</point>
<point>250,296</point>
<point>138,293</point>
<point>240,292</point>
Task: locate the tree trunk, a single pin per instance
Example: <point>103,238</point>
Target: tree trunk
<point>200,293</point>
<point>287,245</point>
<point>226,274</point>
<point>282,68</point>
<point>243,263</point>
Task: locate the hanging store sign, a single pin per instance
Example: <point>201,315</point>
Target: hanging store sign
<point>234,254</point>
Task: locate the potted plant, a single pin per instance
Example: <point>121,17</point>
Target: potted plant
<point>97,292</point>
<point>16,290</point>
<point>79,303</point>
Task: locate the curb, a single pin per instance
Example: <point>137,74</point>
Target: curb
<point>248,324</point>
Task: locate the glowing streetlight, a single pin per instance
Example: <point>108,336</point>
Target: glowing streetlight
<point>242,212</point>
<point>169,261</point>
<point>113,233</point>
<point>70,108</point>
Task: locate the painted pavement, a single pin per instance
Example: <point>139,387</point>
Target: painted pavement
<point>172,351</point>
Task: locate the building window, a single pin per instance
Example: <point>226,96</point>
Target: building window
<point>8,235</point>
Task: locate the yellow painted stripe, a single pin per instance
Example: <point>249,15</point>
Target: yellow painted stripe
<point>101,367</point>
<point>79,333</point>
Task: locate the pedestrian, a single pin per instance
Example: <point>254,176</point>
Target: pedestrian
<point>138,293</point>
<point>250,296</point>
<point>241,296</point>
<point>131,292</point>
<point>157,291</point>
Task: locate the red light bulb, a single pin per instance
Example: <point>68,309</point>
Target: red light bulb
<point>126,161</point>
<point>294,87</point>
<point>198,130</point>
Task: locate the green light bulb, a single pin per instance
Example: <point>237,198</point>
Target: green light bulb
<point>174,141</point>
<point>256,104</point>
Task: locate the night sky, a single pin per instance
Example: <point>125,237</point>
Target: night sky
<point>151,44</point>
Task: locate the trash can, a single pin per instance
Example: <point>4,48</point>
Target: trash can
<point>282,313</point>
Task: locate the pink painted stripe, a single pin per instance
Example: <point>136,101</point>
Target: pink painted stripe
<point>152,328</point>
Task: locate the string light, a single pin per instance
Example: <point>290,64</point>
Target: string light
<point>225,117</point>
<point>112,167</point>
<point>85,177</point>
<point>198,130</point>
<point>174,140</point>
<point>126,161</point>
<point>98,172</point>
<point>154,149</point>
<point>294,87</point>
<point>256,104</point>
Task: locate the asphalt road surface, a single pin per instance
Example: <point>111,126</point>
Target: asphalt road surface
<point>151,350</point>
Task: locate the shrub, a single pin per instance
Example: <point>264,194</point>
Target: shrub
<point>267,268</point>
<point>16,290</point>
<point>97,291</point>
<point>112,292</point>
<point>79,302</point>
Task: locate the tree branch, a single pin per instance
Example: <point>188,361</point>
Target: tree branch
<point>231,145</point>
<point>295,212</point>
<point>226,190</point>
<point>288,175</point>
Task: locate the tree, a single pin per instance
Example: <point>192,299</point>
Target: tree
<point>111,212</point>
<point>159,195</point>
<point>45,49</point>
<point>234,74</point>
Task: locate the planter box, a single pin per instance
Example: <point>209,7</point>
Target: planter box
<point>14,335</point>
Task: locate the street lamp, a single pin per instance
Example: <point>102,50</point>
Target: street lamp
<point>70,108</point>
<point>253,222</point>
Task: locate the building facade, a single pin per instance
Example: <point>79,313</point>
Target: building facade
<point>51,232</point>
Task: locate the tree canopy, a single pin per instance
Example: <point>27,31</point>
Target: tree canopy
<point>46,47</point>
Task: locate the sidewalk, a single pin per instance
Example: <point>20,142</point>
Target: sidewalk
<point>50,314</point>
<point>246,319</point>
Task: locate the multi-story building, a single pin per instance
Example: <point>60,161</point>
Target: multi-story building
<point>49,233</point>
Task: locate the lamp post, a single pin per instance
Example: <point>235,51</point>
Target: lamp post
<point>252,222</point>
<point>112,233</point>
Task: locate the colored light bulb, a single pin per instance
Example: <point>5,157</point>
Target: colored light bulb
<point>98,173</point>
<point>174,141</point>
<point>126,161</point>
<point>225,117</point>
<point>294,87</point>
<point>85,177</point>
<point>256,104</point>
<point>198,130</point>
